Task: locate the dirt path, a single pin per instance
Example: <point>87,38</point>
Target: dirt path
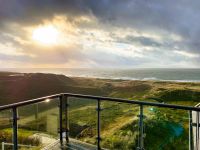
<point>119,123</point>
<point>83,108</point>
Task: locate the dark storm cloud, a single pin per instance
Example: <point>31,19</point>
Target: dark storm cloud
<point>178,16</point>
<point>174,17</point>
<point>33,11</point>
<point>181,17</point>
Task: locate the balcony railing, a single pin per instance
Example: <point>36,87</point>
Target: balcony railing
<point>63,109</point>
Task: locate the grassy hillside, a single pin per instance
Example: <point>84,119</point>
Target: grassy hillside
<point>168,92</point>
<point>18,87</point>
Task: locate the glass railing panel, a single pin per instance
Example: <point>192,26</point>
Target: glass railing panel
<point>83,120</point>
<point>38,124</point>
<point>165,128</point>
<point>119,125</point>
<point>6,129</point>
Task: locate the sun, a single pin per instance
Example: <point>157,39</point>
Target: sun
<point>47,35</point>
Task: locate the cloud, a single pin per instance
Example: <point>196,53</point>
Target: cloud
<point>33,11</point>
<point>186,54</point>
<point>129,33</point>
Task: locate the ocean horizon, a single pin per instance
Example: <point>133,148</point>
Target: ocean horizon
<point>157,74</point>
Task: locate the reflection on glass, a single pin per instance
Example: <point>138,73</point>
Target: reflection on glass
<point>166,128</point>
<point>6,129</point>
<point>83,120</point>
<point>38,123</point>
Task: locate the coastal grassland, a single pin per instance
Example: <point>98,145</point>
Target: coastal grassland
<point>15,87</point>
<point>164,128</point>
<point>119,126</point>
<point>24,137</point>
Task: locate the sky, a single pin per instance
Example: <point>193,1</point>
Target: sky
<point>99,34</point>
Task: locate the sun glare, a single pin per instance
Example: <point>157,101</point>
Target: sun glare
<point>47,35</point>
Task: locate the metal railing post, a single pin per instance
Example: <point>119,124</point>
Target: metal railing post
<point>98,125</point>
<point>15,142</point>
<point>190,131</point>
<point>60,119</point>
<point>197,130</point>
<point>141,129</point>
<point>66,120</point>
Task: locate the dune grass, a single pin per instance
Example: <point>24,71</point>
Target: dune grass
<point>164,128</point>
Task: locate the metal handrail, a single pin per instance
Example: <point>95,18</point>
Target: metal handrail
<point>28,102</point>
<point>63,108</point>
<point>102,98</point>
<point>133,101</point>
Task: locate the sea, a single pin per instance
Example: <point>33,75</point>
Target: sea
<point>158,74</point>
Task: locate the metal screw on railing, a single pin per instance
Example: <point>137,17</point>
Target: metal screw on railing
<point>98,124</point>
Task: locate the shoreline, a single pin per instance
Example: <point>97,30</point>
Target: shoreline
<point>154,74</point>
<point>133,79</point>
